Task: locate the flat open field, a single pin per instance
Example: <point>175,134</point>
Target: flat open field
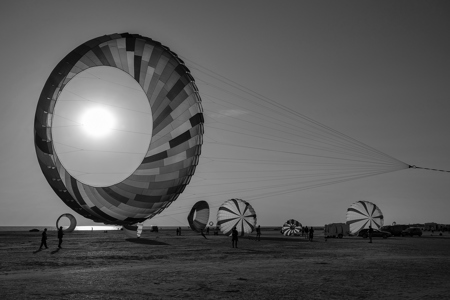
<point>98,265</point>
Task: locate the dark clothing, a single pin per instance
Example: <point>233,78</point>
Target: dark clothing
<point>258,233</point>
<point>44,240</point>
<point>370,234</point>
<point>60,237</point>
<point>311,234</point>
<point>234,237</point>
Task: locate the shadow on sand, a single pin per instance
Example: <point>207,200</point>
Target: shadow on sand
<point>145,242</point>
<point>55,251</point>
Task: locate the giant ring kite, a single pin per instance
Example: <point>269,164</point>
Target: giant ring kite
<point>73,222</point>
<point>201,211</point>
<point>177,136</point>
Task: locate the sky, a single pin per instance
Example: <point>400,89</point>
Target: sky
<point>375,71</point>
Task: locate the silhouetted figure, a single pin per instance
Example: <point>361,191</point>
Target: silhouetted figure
<point>44,239</point>
<point>179,230</point>
<point>60,236</point>
<point>311,234</point>
<point>370,234</point>
<point>258,233</point>
<point>207,230</point>
<point>234,237</point>
<point>201,232</point>
<point>306,232</point>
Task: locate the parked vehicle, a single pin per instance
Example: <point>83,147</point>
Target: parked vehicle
<point>338,230</point>
<point>395,230</point>
<point>376,233</point>
<point>412,231</point>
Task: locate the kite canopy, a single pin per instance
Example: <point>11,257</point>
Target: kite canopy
<point>201,212</point>
<point>236,213</point>
<point>133,231</point>
<point>73,222</point>
<point>363,214</point>
<point>177,136</point>
<point>291,227</point>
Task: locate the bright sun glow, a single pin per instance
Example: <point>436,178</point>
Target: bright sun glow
<point>97,122</point>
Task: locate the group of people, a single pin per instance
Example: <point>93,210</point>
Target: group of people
<point>44,238</point>
<point>308,233</point>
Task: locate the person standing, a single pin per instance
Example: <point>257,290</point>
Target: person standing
<point>258,233</point>
<point>306,232</point>
<point>311,234</point>
<point>234,237</point>
<point>370,233</point>
<point>60,236</point>
<point>44,239</point>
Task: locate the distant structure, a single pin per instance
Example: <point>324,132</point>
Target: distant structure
<point>175,146</point>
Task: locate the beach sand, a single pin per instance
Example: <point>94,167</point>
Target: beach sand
<point>98,265</point>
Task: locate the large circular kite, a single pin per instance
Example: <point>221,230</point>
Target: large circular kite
<point>236,213</point>
<point>175,146</point>
<point>363,214</point>
<point>73,222</point>
<point>291,227</point>
<point>201,212</point>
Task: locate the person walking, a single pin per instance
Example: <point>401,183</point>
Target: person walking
<point>370,234</point>
<point>44,239</point>
<point>258,233</point>
<point>234,237</point>
<point>311,234</point>
<point>60,236</point>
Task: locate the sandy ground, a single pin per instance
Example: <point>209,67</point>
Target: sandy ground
<point>98,265</point>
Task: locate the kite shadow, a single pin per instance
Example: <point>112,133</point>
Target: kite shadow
<point>146,242</point>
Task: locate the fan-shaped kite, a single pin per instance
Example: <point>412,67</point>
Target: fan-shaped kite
<point>175,145</point>
<point>199,216</point>
<point>73,222</point>
<point>291,227</point>
<point>363,214</point>
<point>236,213</point>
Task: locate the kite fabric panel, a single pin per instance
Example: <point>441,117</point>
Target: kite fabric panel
<point>236,213</point>
<point>177,137</point>
<point>291,227</point>
<point>73,222</point>
<point>201,212</point>
<point>133,231</point>
<point>362,214</point>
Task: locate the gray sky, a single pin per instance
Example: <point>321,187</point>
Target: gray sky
<point>376,71</point>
